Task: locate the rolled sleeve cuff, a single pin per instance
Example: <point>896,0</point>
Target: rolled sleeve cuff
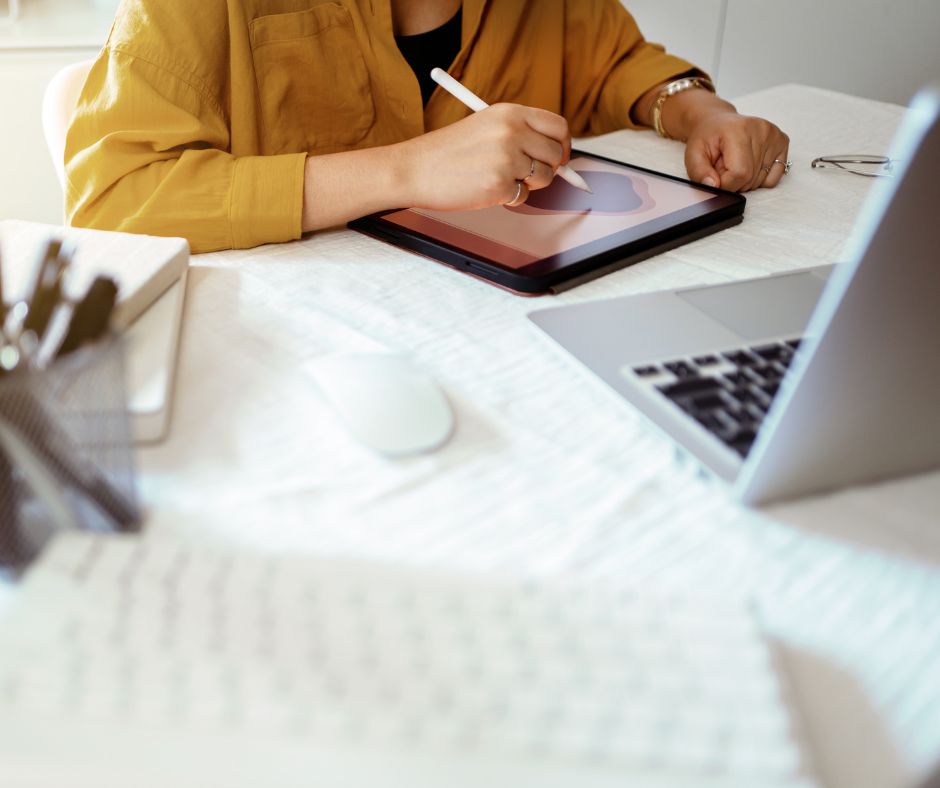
<point>267,199</point>
<point>632,79</point>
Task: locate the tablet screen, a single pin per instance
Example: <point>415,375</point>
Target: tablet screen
<point>559,225</point>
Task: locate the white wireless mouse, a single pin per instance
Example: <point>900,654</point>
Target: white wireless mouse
<point>385,402</point>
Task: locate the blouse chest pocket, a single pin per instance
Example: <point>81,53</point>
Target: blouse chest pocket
<point>313,84</point>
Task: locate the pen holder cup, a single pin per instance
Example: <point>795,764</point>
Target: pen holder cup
<point>66,454</point>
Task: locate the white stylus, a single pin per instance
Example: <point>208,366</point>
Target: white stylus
<point>474,102</point>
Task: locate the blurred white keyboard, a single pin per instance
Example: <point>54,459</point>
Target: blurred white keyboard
<point>122,636</point>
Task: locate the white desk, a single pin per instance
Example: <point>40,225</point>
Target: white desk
<point>546,472</point>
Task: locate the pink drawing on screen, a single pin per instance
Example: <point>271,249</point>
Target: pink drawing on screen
<point>614,194</point>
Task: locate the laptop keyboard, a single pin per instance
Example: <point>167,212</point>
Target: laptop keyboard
<point>728,393</point>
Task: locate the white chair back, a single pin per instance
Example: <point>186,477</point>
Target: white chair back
<point>13,9</point>
<point>58,104</point>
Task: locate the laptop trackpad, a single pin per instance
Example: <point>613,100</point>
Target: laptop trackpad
<point>777,306</point>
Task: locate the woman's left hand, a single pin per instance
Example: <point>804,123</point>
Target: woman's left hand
<point>736,152</point>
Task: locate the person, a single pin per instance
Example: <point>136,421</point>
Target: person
<point>235,123</point>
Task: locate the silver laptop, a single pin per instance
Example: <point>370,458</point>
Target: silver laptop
<point>794,384</point>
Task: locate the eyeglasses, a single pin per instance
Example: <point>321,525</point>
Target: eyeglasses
<point>859,164</point>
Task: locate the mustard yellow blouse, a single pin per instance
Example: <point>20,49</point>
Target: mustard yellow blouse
<point>198,115</point>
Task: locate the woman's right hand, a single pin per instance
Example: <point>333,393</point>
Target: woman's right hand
<point>479,161</point>
<point>474,163</point>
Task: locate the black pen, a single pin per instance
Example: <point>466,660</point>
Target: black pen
<point>10,553</point>
<point>91,316</point>
<point>9,492</point>
<point>3,303</point>
<point>45,291</point>
<point>76,324</point>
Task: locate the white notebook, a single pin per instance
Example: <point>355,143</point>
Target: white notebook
<point>150,274</point>
<point>127,661</point>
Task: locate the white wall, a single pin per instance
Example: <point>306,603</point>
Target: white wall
<point>691,29</point>
<point>881,49</point>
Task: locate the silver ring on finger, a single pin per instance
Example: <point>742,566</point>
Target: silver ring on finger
<point>531,172</point>
<point>522,194</point>
<point>785,164</point>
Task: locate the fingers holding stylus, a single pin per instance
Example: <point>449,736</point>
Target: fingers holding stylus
<point>539,170</point>
<point>531,168</point>
<point>541,135</point>
<point>545,125</point>
<point>550,128</point>
<point>481,160</point>
<point>541,139</point>
<point>539,175</point>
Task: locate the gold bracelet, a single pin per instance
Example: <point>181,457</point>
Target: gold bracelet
<point>676,86</point>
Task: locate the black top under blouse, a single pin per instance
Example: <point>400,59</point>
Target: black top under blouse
<point>436,47</point>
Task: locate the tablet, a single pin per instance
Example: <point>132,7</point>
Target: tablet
<point>562,236</point>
